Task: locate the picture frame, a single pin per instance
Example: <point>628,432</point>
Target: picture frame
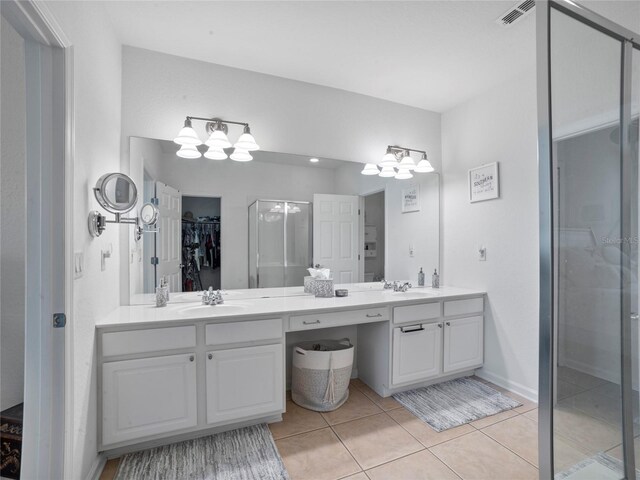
<point>484,183</point>
<point>411,199</point>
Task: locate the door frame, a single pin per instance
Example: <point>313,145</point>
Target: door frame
<point>49,351</point>
<point>548,262</point>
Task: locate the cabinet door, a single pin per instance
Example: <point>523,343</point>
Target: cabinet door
<point>244,382</point>
<point>417,353</point>
<point>463,343</point>
<point>148,396</point>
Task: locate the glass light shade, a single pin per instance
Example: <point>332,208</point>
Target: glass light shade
<point>247,142</point>
<point>424,166</point>
<point>241,155</point>
<point>407,163</point>
<point>387,172</point>
<point>218,139</point>
<point>370,169</point>
<point>215,154</point>
<point>404,174</point>
<point>388,160</point>
<point>188,151</point>
<point>187,136</point>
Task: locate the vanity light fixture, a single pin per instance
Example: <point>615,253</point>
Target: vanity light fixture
<point>370,169</point>
<point>217,129</point>
<point>397,162</point>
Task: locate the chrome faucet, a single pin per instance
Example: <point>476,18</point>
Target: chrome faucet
<point>397,286</point>
<point>211,297</point>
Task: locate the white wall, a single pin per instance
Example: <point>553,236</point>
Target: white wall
<point>12,229</point>
<point>499,126</point>
<point>97,97</point>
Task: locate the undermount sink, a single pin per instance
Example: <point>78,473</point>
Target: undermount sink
<point>412,294</point>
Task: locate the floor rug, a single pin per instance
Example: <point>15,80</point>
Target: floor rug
<point>245,454</point>
<point>454,403</point>
<point>599,467</point>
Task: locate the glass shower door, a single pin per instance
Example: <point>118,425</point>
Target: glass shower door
<point>588,242</point>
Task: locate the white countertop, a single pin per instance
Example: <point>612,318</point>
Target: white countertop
<point>186,307</point>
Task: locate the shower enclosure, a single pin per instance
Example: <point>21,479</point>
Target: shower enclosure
<point>588,107</point>
<point>280,243</point>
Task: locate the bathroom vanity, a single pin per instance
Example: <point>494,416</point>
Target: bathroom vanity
<point>190,369</point>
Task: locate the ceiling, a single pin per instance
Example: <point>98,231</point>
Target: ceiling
<point>428,54</point>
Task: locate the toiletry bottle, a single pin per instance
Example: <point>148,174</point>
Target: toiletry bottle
<point>421,278</point>
<point>165,284</point>
<point>435,279</point>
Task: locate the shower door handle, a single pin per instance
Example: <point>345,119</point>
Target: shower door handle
<point>634,316</point>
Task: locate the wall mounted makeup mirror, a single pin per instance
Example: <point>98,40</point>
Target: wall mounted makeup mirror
<point>117,194</point>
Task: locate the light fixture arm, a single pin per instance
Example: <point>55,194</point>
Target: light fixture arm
<point>397,148</point>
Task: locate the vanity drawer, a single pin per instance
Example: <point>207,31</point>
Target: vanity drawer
<point>148,340</point>
<point>324,320</point>
<point>463,307</point>
<point>238,332</point>
<point>414,313</point>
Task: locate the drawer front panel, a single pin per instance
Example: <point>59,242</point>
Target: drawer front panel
<point>324,320</point>
<point>250,331</point>
<point>463,307</point>
<point>416,313</point>
<point>149,340</point>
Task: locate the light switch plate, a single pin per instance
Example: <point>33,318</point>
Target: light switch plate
<point>482,253</point>
<point>78,264</point>
<point>411,251</point>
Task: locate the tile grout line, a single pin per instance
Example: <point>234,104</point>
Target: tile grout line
<point>502,445</point>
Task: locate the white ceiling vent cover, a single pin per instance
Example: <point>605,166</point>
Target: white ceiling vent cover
<point>516,13</point>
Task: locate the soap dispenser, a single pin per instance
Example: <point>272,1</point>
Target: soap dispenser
<point>435,279</point>
<point>421,278</point>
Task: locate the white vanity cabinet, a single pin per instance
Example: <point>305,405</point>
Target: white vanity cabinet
<point>148,396</point>
<point>463,343</point>
<point>244,382</point>
<point>443,338</point>
<point>417,352</point>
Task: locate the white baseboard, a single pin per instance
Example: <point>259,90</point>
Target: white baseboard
<point>515,387</point>
<point>590,370</point>
<point>97,467</point>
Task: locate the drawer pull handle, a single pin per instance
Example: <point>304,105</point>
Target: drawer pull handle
<point>191,358</point>
<point>412,329</point>
<point>369,315</point>
<point>304,322</point>
<point>210,356</point>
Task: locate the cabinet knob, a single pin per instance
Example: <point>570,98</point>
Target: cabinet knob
<point>448,324</point>
<point>191,358</point>
<point>439,325</point>
<point>210,356</point>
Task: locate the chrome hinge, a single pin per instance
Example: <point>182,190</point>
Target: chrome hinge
<point>155,261</point>
<point>155,201</point>
<point>358,256</point>
<point>59,320</point>
<point>358,211</point>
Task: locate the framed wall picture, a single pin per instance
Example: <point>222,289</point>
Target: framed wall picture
<point>411,199</point>
<point>484,183</point>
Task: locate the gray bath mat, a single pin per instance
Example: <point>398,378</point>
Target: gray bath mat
<point>244,454</point>
<point>601,467</point>
<point>454,403</point>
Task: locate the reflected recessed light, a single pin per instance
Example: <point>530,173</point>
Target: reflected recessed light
<point>314,160</point>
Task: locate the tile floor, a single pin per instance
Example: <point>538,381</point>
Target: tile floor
<point>375,438</point>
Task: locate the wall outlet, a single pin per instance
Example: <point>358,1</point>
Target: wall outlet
<point>78,264</point>
<point>482,253</point>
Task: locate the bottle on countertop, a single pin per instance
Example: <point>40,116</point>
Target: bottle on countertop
<point>421,278</point>
<point>435,279</point>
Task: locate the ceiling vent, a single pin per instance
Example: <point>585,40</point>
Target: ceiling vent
<point>516,13</point>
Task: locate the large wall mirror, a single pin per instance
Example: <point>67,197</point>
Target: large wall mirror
<point>261,224</point>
